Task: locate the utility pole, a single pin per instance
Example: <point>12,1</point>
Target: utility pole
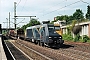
<point>18,16</point>
<point>9,20</point>
<point>15,14</point>
<point>0,29</point>
<point>7,24</point>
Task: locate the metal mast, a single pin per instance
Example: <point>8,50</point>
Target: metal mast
<point>15,14</point>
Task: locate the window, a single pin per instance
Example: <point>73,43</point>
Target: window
<point>57,27</point>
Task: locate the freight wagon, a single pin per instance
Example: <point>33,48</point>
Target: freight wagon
<point>21,34</point>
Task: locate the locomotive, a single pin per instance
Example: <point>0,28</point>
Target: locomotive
<point>45,34</point>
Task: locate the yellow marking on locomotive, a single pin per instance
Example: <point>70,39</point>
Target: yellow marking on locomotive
<point>58,31</point>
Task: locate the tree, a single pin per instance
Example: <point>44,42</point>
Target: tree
<point>34,22</point>
<point>31,23</point>
<point>70,19</point>
<point>88,12</point>
<point>63,17</point>
<point>52,22</point>
<point>78,15</point>
<point>24,27</point>
<point>67,18</point>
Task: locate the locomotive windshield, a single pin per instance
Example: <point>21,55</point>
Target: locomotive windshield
<point>53,28</point>
<point>57,28</point>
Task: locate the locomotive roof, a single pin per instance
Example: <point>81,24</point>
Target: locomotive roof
<point>33,26</point>
<point>37,26</point>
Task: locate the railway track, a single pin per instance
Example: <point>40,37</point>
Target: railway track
<point>15,53</point>
<point>43,50</point>
<point>34,54</point>
<point>73,54</point>
<point>63,53</point>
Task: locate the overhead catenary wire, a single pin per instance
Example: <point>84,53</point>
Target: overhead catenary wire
<point>21,21</point>
<point>18,3</point>
<point>21,10</point>
<point>51,7</point>
<point>85,2</point>
<point>16,6</point>
<point>23,5</point>
<point>62,7</point>
<point>54,5</point>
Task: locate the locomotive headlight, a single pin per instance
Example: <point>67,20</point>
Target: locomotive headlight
<point>60,37</point>
<point>50,37</point>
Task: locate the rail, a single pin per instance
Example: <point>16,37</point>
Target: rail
<point>10,52</point>
<point>35,52</point>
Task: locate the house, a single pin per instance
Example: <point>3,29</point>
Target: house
<point>84,31</point>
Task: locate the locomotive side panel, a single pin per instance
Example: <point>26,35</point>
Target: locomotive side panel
<point>29,34</point>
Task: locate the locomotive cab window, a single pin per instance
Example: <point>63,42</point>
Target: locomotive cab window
<point>57,28</point>
<point>53,28</point>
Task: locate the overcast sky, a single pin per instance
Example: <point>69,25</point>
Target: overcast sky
<point>42,9</point>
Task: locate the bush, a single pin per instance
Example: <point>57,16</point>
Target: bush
<point>67,37</point>
<point>85,38</point>
<point>88,41</point>
<point>80,40</point>
<point>77,37</point>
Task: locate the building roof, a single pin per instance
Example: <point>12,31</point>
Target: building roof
<point>83,23</point>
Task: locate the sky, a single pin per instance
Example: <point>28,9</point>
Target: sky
<point>43,10</point>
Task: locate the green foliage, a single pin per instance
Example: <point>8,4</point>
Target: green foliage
<point>52,22</point>
<point>88,12</point>
<point>24,27</point>
<point>68,30</point>
<point>18,27</point>
<point>70,19</point>
<point>78,15</point>
<point>80,39</point>
<point>77,37</point>
<point>67,37</point>
<point>85,38</point>
<point>73,24</point>
<point>67,18</point>
<point>88,41</point>
<point>34,22</point>
<point>4,31</point>
<point>31,23</point>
